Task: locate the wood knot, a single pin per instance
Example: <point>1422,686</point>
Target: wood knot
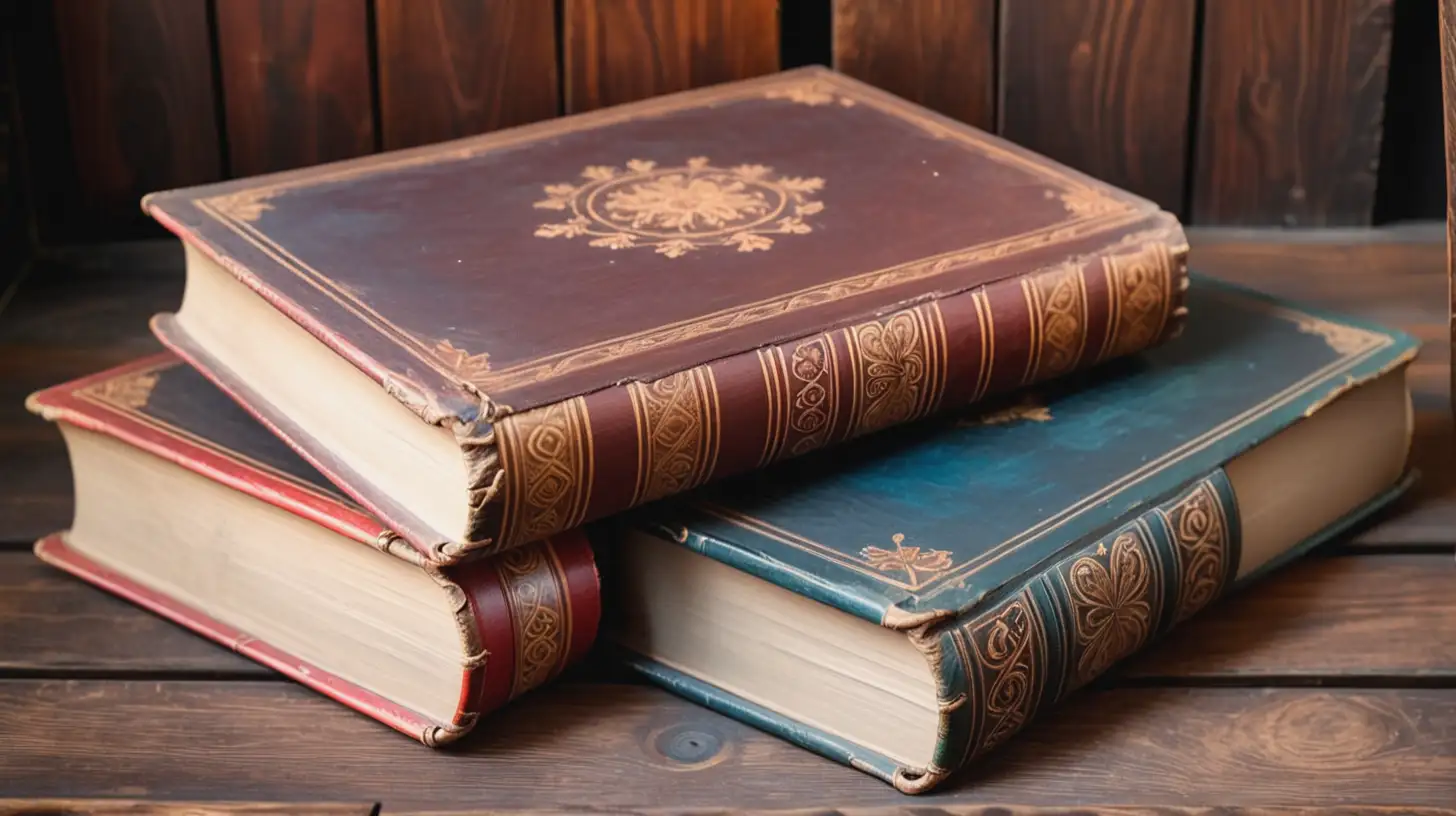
<point>1321,731</point>
<point>687,746</point>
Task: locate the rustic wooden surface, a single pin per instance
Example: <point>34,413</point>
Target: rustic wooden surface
<point>295,79</point>
<point>1447,19</point>
<point>1102,85</point>
<point>622,50</point>
<point>1229,112</point>
<point>1332,684</point>
<point>452,68</point>
<point>1290,111</point>
<point>152,807</point>
<point>939,53</point>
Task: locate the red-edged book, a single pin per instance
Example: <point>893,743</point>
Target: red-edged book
<point>188,507</point>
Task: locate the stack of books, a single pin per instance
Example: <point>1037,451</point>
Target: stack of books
<point>887,433</point>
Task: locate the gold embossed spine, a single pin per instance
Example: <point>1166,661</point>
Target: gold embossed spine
<point>1001,665</point>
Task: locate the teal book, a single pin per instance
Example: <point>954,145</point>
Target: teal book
<point>906,603</point>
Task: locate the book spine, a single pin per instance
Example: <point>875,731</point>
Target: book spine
<point>523,617</point>
<point>1066,625</point>
<point>522,620</point>
<point>551,468</point>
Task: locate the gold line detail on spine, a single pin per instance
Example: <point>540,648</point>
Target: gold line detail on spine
<point>1200,534</point>
<point>896,364</point>
<point>814,364</point>
<point>1058,301</point>
<point>677,432</point>
<point>776,398</point>
<point>535,590</point>
<point>987,326</point>
<point>1140,292</point>
<point>1006,676</point>
<point>547,457</point>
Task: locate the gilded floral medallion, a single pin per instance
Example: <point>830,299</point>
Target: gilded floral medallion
<point>681,209</point>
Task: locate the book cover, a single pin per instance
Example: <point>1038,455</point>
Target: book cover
<point>523,617</point>
<point>1028,546</point>
<point>613,307</point>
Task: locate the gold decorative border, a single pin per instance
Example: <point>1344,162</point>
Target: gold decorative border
<point>1356,354</point>
<point>540,608</point>
<point>100,395</point>
<point>1090,208</point>
<point>678,432</point>
<point>546,454</point>
<point>1057,303</point>
<point>1200,534</point>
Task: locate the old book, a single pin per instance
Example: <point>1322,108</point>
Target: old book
<point>492,340</point>
<point>910,602</point>
<point>187,507</point>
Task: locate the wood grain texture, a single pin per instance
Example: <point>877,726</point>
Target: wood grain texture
<point>1290,111</point>
<point>141,807</point>
<point>609,746</point>
<point>1102,85</point>
<point>618,51</point>
<point>451,68</point>
<point>939,53</point>
<point>943,809</point>
<point>138,83</point>
<point>52,624</point>
<point>295,79</point>
<point>1374,617</point>
<point>1447,18</point>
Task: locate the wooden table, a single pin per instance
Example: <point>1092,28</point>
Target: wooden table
<point>1333,683</point>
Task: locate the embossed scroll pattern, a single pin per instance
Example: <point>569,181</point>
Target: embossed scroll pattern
<point>1057,303</point>
<point>546,454</point>
<point>678,428</point>
<point>1140,292</point>
<point>1099,605</point>
<point>1201,540</point>
<point>899,368</point>
<point>1005,654</point>
<point>536,594</point>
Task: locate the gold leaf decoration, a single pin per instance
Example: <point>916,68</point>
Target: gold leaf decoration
<point>1086,202</point>
<point>1029,409</point>
<point>130,392</point>
<point>1342,339</point>
<point>466,366</point>
<point>682,209</point>
<point>244,205</point>
<point>813,93</point>
<point>917,564</point>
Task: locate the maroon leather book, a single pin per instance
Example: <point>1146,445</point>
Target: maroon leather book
<point>521,618</point>
<point>609,308</point>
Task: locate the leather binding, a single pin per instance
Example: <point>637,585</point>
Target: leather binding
<point>845,262</point>
<point>1025,549</point>
<point>522,618</point>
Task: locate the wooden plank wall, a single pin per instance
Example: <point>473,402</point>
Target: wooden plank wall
<point>1247,112</point>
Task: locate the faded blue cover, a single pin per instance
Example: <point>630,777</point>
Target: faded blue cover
<point>1004,540</point>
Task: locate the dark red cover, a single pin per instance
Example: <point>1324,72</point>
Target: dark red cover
<point>618,306</point>
<point>523,616</point>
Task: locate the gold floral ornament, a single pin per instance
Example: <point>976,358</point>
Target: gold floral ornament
<point>1341,339</point>
<point>917,564</point>
<point>812,93</point>
<point>1112,614</point>
<point>131,392</point>
<point>677,210</point>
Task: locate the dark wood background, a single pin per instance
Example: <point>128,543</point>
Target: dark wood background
<point>1228,112</point>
